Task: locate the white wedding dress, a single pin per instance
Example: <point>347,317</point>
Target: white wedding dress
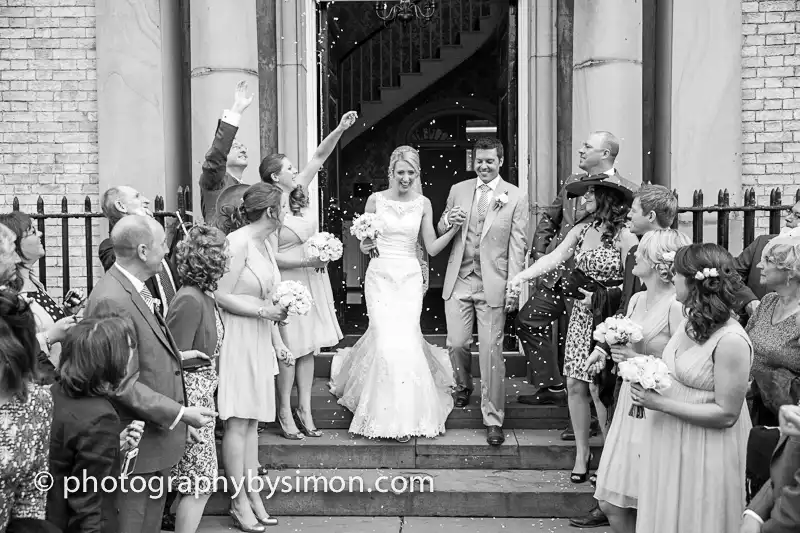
<point>394,382</point>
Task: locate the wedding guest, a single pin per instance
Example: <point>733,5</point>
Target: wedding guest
<point>9,259</point>
<point>226,159</point>
<point>195,322</point>
<point>748,264</point>
<point>774,330</point>
<point>305,335</point>
<point>776,507</point>
<point>26,414</point>
<point>535,319</point>
<point>85,440</point>
<point>251,346</point>
<point>693,453</point>
<point>659,314</point>
<point>598,247</point>
<point>52,320</point>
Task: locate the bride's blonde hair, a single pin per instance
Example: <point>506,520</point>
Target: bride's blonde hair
<point>407,154</point>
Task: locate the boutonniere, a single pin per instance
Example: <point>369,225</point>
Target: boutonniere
<point>156,305</point>
<point>500,201</point>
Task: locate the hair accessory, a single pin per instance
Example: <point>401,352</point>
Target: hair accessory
<point>668,257</point>
<point>706,273</point>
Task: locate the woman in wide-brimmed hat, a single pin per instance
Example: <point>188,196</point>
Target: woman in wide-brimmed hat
<point>599,245</point>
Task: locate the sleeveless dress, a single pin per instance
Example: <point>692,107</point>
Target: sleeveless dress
<point>601,264</point>
<point>247,363</point>
<point>319,328</point>
<point>394,382</point>
<point>692,477</point>
<point>618,474</point>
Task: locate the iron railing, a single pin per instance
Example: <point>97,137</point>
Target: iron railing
<point>87,216</point>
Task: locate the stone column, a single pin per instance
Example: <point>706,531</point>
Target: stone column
<point>140,120</point>
<point>699,76</point>
<point>266,11</point>
<point>297,86</point>
<point>607,78</point>
<point>224,51</point>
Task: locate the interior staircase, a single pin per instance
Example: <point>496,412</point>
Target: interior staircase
<point>395,63</point>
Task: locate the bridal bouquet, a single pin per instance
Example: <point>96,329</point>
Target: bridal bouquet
<point>294,296</point>
<point>367,226</point>
<point>649,372</point>
<point>325,247</point>
<point>618,330</point>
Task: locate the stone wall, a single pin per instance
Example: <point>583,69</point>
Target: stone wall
<point>48,119</point>
<point>771,99</point>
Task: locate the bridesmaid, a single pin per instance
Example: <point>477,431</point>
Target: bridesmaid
<point>250,347</point>
<point>303,335</point>
<point>692,464</point>
<point>660,315</point>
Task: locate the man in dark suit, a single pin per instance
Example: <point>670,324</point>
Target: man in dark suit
<point>122,201</point>
<point>226,159</point>
<point>153,390</point>
<point>535,319</point>
<point>747,265</point>
<point>776,507</point>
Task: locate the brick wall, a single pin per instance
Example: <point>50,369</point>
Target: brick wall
<point>771,99</point>
<point>48,119</point>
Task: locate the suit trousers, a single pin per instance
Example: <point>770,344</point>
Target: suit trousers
<point>141,511</point>
<point>535,332</point>
<point>465,303</point>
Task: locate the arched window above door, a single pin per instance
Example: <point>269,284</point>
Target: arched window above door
<point>448,122</point>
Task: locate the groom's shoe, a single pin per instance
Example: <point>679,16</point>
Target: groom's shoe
<point>544,396</point>
<point>462,398</point>
<point>595,518</point>
<point>494,435</point>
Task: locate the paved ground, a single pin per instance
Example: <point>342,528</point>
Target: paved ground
<point>315,524</point>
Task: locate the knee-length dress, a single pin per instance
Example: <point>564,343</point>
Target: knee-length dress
<point>693,477</point>
<point>319,328</point>
<point>603,263</point>
<point>618,474</point>
<point>247,362</point>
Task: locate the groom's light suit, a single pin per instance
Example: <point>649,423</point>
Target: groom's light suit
<point>487,252</point>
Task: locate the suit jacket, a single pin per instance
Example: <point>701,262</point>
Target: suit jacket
<point>502,247</point>
<point>778,502</point>
<point>108,258</point>
<point>192,321</point>
<point>745,264</point>
<point>631,284</point>
<point>84,440</point>
<point>153,389</point>
<point>214,177</point>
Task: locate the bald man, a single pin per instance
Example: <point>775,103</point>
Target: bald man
<point>153,390</point>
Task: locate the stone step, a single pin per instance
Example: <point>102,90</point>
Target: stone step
<point>523,449</point>
<point>330,415</point>
<point>401,524</point>
<point>516,364</point>
<point>418,492</point>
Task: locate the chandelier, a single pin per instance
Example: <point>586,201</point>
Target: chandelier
<point>405,11</point>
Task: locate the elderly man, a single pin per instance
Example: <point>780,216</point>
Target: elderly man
<point>153,390</point>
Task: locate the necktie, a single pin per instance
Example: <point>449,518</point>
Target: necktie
<point>147,297</point>
<point>166,285</point>
<point>483,201</point>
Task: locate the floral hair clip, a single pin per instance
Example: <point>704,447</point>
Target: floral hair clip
<point>706,273</point>
<point>668,257</point>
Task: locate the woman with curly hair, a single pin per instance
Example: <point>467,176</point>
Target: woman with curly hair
<point>693,454</point>
<point>599,246</point>
<point>196,324</point>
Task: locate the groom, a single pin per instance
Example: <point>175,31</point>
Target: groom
<point>490,249</point>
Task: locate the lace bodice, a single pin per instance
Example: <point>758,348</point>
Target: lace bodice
<point>402,221</point>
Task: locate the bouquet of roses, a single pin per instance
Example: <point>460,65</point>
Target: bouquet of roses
<point>325,247</point>
<point>618,330</point>
<point>649,372</point>
<point>367,226</point>
<point>294,296</point>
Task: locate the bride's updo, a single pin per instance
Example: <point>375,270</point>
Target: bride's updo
<point>407,154</point>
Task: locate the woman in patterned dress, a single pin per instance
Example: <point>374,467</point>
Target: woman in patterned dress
<point>692,475</point>
<point>598,246</point>
<point>26,414</point>
<point>303,335</point>
<point>195,323</point>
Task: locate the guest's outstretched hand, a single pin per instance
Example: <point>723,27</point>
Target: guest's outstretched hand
<point>348,119</point>
<point>241,100</point>
<point>789,418</point>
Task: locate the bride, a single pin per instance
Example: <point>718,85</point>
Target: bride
<point>395,383</point>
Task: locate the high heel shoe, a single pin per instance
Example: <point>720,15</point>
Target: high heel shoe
<point>581,478</point>
<point>290,436</point>
<point>268,521</point>
<point>237,522</point>
<point>307,432</point>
